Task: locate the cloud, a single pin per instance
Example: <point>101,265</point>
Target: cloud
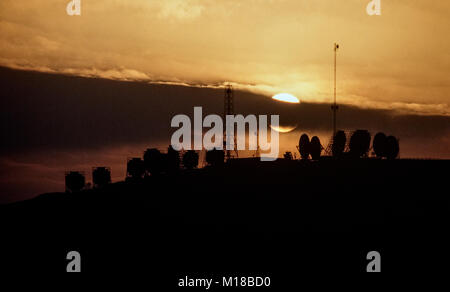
<point>50,123</point>
<point>180,9</point>
<point>53,111</point>
<point>397,61</point>
<point>123,74</point>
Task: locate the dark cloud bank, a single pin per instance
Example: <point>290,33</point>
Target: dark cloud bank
<point>45,113</point>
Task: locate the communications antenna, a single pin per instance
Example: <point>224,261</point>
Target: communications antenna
<point>335,107</point>
<point>228,110</point>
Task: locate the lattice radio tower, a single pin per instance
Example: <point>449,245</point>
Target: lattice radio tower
<point>228,110</point>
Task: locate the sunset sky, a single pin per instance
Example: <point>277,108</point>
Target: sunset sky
<point>399,60</point>
<point>393,76</point>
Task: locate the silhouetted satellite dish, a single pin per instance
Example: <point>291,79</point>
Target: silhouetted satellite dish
<point>75,181</point>
<point>215,157</point>
<point>135,168</point>
<point>359,143</point>
<point>190,159</point>
<point>154,161</point>
<point>379,144</point>
<point>339,141</point>
<point>303,146</point>
<point>101,176</point>
<point>288,155</point>
<point>392,147</point>
<point>173,159</point>
<point>315,148</point>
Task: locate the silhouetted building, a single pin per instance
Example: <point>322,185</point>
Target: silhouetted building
<point>75,181</point>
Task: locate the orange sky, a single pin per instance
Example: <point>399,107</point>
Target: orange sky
<point>398,60</point>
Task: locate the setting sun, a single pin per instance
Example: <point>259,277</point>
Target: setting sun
<point>286,97</point>
<point>284,129</point>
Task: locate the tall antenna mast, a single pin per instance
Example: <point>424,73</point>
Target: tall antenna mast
<point>335,107</point>
<point>228,110</point>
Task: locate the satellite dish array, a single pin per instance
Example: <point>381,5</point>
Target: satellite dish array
<point>358,146</point>
<point>307,147</point>
<point>385,146</point>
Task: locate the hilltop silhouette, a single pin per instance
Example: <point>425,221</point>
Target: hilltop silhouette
<point>167,216</point>
<point>286,215</point>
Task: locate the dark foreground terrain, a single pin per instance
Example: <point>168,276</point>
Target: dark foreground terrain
<point>282,219</point>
